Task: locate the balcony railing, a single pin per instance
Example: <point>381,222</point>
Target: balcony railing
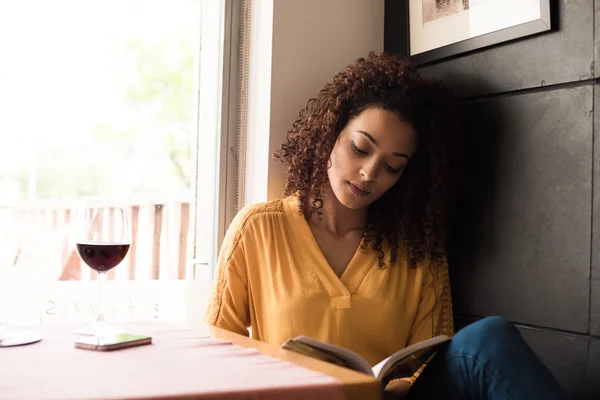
<point>38,240</point>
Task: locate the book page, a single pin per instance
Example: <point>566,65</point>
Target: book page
<point>349,358</point>
<point>301,348</point>
<point>406,362</point>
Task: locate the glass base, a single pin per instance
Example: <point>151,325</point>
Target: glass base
<point>17,337</point>
<point>98,329</point>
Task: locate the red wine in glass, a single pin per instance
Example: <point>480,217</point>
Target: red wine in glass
<point>102,257</point>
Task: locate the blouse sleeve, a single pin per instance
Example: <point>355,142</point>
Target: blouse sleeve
<point>228,301</point>
<point>434,313</point>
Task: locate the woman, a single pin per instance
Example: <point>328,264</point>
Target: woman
<point>355,254</point>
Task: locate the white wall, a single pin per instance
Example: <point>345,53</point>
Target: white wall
<point>310,41</point>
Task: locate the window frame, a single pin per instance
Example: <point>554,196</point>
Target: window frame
<point>209,231</point>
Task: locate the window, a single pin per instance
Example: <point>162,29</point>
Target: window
<point>120,100</point>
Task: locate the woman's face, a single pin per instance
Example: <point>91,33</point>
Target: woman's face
<point>369,156</point>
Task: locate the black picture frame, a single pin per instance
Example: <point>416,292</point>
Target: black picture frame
<point>397,33</point>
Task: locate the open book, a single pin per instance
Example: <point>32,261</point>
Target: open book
<point>402,364</point>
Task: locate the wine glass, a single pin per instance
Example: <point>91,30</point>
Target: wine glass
<point>102,238</point>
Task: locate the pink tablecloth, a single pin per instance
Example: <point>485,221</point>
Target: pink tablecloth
<point>179,364</point>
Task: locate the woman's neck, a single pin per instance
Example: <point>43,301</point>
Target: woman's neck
<point>337,218</point>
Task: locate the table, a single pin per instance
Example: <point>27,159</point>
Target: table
<point>182,363</point>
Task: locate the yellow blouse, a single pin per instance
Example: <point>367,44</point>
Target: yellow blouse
<point>273,277</point>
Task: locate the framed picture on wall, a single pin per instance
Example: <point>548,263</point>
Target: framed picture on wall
<point>432,30</point>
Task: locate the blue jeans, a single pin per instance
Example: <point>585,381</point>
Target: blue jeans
<point>486,360</point>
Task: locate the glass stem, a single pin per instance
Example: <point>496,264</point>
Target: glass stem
<point>101,279</point>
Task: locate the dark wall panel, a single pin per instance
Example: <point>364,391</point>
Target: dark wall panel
<point>546,59</point>
<point>524,234</point>
<point>564,355</point>
<point>597,36</point>
<point>595,273</point>
<point>595,309</point>
<point>593,371</point>
<point>596,210</point>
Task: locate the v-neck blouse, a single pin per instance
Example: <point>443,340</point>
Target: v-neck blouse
<point>272,276</point>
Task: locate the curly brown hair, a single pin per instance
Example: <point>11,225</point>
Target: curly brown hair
<point>412,215</point>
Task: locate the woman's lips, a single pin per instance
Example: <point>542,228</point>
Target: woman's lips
<point>357,191</point>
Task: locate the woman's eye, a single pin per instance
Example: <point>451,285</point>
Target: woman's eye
<point>393,170</point>
<point>357,150</point>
